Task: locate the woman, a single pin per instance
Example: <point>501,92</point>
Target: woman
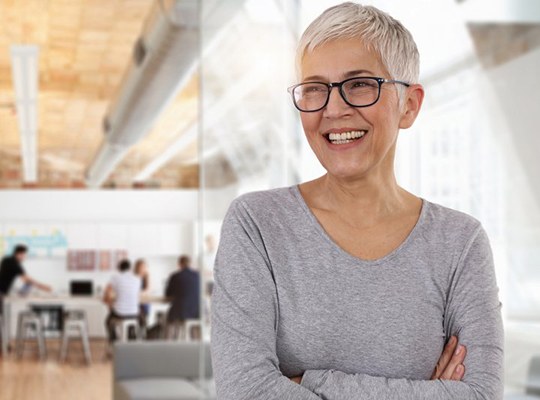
<point>348,286</point>
<point>141,270</point>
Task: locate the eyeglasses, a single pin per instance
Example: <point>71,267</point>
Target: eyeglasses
<point>356,92</point>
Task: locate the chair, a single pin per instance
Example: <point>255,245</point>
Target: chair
<point>161,370</point>
<point>533,378</point>
<point>75,325</point>
<point>29,320</point>
<point>532,386</point>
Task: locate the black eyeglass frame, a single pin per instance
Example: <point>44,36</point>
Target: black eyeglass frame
<point>339,85</point>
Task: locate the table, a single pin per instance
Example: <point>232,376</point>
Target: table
<point>95,309</point>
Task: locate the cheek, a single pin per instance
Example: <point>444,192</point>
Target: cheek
<point>310,123</point>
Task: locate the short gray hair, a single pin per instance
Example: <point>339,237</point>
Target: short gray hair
<point>380,32</point>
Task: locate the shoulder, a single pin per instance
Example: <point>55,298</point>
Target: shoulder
<point>264,203</point>
<point>175,275</point>
<point>453,227</point>
<point>10,260</point>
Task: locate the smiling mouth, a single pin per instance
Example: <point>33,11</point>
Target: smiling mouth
<point>344,137</point>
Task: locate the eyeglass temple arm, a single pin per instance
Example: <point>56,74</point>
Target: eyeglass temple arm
<point>395,81</point>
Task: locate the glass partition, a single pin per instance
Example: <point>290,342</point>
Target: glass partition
<point>249,138</point>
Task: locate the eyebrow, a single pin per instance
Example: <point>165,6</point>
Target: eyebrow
<point>345,76</point>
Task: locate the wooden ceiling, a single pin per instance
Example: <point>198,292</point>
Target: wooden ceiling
<point>85,47</point>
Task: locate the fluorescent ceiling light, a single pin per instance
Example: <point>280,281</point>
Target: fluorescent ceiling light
<point>24,63</point>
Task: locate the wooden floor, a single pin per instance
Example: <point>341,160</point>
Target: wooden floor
<point>30,378</point>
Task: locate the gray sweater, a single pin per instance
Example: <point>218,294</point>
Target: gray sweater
<point>288,301</point>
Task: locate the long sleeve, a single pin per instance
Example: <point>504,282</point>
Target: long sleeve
<point>244,317</point>
<point>472,313</point>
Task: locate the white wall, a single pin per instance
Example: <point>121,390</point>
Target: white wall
<point>98,205</point>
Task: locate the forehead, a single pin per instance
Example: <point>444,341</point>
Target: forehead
<point>336,59</point>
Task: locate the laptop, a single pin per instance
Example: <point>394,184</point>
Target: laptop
<point>81,288</point>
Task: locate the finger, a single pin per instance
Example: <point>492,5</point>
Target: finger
<point>445,358</point>
<point>458,373</point>
<point>457,359</point>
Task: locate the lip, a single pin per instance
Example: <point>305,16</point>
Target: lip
<point>341,130</point>
<point>346,146</point>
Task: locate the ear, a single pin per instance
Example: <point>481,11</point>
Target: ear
<point>412,102</point>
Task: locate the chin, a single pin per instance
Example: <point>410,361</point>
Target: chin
<point>346,171</point>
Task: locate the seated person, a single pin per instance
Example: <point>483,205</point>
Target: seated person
<point>122,295</point>
<point>183,292</point>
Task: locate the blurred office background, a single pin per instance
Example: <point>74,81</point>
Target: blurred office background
<point>151,116</point>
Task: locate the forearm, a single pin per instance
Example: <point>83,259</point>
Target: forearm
<point>33,282</point>
<point>245,365</point>
<point>336,385</point>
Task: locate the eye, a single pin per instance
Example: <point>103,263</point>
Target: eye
<point>363,83</point>
<point>313,89</point>
<point>358,84</point>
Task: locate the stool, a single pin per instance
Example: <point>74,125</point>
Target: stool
<point>30,320</point>
<point>124,324</point>
<point>75,325</point>
<point>181,330</point>
<point>191,323</point>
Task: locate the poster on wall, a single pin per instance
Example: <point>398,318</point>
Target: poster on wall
<point>105,260</point>
<point>94,260</point>
<point>81,260</point>
<point>46,240</point>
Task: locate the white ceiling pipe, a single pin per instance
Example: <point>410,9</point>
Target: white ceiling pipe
<point>108,157</point>
<point>164,60</point>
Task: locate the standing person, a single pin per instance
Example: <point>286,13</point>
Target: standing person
<point>11,267</point>
<point>122,296</point>
<point>349,286</point>
<point>141,270</point>
<point>183,292</point>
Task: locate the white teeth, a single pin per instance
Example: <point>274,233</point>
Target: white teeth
<point>345,137</point>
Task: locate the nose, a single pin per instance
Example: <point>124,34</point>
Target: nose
<point>336,107</point>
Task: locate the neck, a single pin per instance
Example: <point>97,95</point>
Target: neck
<point>363,193</point>
<point>371,197</point>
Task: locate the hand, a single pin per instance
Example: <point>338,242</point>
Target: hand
<point>296,379</point>
<point>46,288</point>
<point>450,365</point>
